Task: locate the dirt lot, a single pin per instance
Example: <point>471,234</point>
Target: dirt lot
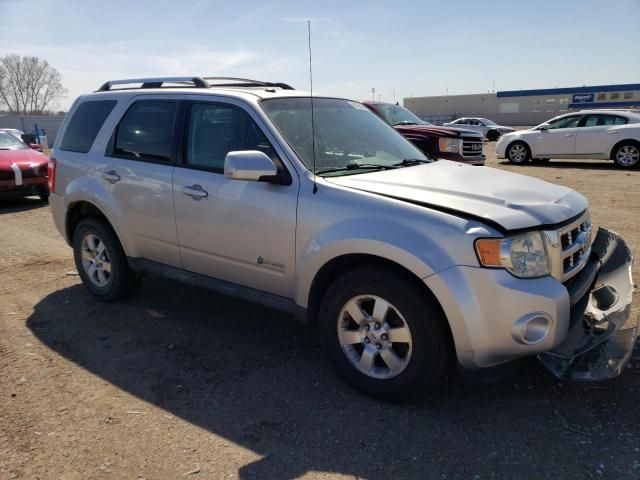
<point>180,382</point>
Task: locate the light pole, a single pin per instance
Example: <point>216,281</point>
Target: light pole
<point>373,94</point>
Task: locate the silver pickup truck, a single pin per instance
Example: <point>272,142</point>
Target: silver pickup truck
<point>317,207</point>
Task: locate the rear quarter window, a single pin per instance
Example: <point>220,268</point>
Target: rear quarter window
<point>85,125</point>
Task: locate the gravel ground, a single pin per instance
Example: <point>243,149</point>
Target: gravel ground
<point>183,383</point>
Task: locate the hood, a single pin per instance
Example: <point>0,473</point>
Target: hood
<point>22,158</point>
<point>448,132</point>
<point>506,200</point>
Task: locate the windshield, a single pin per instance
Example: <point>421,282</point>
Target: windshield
<point>9,142</point>
<point>488,122</point>
<point>397,115</point>
<point>347,135</point>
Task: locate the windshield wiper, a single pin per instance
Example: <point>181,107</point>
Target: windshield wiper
<point>356,166</point>
<point>410,162</point>
<point>406,122</point>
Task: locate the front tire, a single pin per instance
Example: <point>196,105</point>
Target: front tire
<point>493,135</point>
<point>518,153</point>
<point>101,261</point>
<point>386,337</point>
<point>627,155</point>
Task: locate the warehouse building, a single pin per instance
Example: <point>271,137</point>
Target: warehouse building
<point>524,107</point>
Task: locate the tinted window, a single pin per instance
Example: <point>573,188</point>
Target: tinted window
<point>602,120</point>
<point>216,129</point>
<point>145,131</point>
<point>85,124</point>
<point>565,122</point>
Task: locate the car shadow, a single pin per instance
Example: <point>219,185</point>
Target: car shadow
<point>591,165</point>
<point>20,204</point>
<point>257,378</point>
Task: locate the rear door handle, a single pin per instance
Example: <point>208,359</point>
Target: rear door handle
<point>195,191</point>
<point>568,134</point>
<point>111,176</point>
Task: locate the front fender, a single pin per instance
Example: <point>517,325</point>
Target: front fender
<point>397,242</point>
<point>90,189</point>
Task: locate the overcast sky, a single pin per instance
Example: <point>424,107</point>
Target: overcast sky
<point>416,47</point>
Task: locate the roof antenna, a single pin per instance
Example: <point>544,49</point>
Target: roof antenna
<point>313,131</point>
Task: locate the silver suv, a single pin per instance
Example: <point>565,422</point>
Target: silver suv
<point>317,207</point>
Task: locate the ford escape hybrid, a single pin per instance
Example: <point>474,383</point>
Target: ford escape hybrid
<point>318,207</point>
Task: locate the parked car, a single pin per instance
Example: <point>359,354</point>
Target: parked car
<point>29,139</point>
<point>490,129</point>
<point>23,171</point>
<point>455,144</point>
<point>588,134</point>
<point>403,264</point>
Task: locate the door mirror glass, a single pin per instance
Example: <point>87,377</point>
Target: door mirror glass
<point>251,165</point>
<point>544,126</point>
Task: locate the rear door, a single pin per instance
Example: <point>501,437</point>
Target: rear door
<point>238,231</point>
<point>137,169</point>
<point>559,140</point>
<point>597,133</point>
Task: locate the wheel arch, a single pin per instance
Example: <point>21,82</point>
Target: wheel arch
<point>84,209</point>
<point>620,143</point>
<point>339,265</point>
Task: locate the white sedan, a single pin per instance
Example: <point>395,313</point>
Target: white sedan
<point>589,134</point>
<point>490,129</point>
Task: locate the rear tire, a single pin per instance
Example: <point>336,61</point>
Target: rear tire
<point>399,347</point>
<point>627,155</point>
<point>101,261</point>
<point>518,153</point>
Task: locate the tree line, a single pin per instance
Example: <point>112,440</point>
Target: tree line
<point>29,85</point>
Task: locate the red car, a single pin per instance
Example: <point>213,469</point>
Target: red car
<point>23,171</point>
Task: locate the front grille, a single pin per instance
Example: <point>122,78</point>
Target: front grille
<point>570,247</point>
<point>472,147</point>
<point>33,172</point>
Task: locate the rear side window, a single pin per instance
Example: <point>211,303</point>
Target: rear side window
<point>85,125</point>
<point>603,120</point>
<point>145,132</point>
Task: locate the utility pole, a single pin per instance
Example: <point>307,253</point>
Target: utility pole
<point>373,94</point>
<point>494,86</point>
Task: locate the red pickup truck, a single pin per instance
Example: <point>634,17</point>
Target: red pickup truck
<point>466,146</point>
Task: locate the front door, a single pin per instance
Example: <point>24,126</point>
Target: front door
<point>559,139</point>
<point>234,230</point>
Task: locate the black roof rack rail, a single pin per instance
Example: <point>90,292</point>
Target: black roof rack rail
<point>244,82</point>
<point>156,82</point>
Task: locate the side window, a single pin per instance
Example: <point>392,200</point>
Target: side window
<point>145,132</point>
<point>602,120</point>
<point>85,125</point>
<point>565,122</point>
<point>217,129</point>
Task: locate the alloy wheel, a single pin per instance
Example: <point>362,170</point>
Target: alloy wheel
<point>628,155</point>
<point>95,260</point>
<point>518,153</point>
<point>374,336</point>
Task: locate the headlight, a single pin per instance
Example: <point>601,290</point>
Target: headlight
<point>451,145</point>
<point>524,255</point>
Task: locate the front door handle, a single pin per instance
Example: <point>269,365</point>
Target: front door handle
<point>195,191</point>
<point>111,176</point>
<point>612,132</point>
<point>568,134</point>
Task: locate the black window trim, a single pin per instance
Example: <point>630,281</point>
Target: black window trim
<point>283,177</point>
<point>110,150</point>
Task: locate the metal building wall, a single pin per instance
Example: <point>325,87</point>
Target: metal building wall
<point>50,123</point>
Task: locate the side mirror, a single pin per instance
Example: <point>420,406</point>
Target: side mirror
<point>251,165</point>
<point>35,146</point>
<point>544,126</point>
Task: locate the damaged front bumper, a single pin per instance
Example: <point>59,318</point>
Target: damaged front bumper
<point>602,331</point>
